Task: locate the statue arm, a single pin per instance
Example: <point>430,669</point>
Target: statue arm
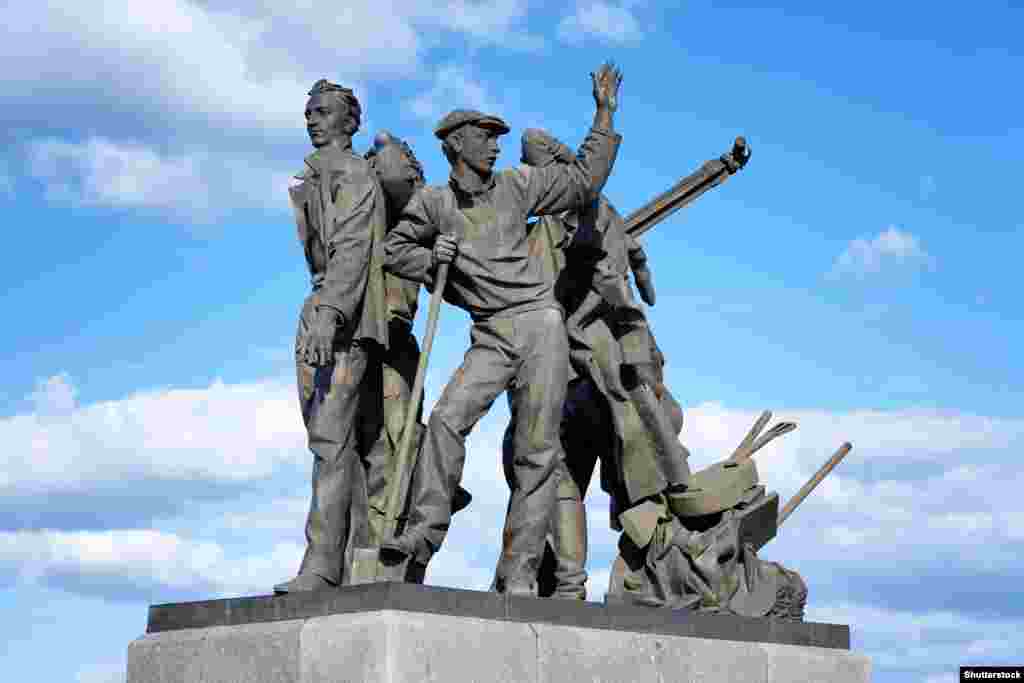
<point>565,187</point>
<point>408,251</point>
<point>641,273</point>
<point>630,329</point>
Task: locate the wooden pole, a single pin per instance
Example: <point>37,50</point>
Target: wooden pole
<point>793,502</point>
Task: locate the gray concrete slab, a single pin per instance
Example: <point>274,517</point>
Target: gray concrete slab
<point>255,653</point>
<point>394,646</point>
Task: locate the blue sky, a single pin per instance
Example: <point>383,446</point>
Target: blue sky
<point>860,277</point>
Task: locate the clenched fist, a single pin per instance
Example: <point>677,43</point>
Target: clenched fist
<point>445,249</point>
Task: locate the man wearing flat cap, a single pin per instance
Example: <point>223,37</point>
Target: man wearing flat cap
<point>478,224</point>
<point>341,216</point>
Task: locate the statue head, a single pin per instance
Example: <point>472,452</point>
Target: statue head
<point>471,138</point>
<point>397,168</point>
<point>540,149</point>
<point>333,114</point>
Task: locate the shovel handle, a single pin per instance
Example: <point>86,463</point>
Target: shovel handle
<point>405,446</point>
<point>793,502</point>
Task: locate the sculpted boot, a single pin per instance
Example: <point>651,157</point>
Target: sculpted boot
<point>303,582</point>
<point>569,537</point>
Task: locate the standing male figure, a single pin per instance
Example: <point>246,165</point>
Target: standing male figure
<point>587,254</point>
<point>341,213</point>
<point>401,176</point>
<point>477,223</point>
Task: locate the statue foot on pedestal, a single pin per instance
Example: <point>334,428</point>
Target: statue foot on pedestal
<point>303,582</point>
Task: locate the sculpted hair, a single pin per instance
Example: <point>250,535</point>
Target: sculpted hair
<point>407,151</point>
<point>355,110</point>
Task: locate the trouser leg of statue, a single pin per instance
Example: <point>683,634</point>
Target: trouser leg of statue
<point>569,541</point>
<point>529,351</point>
<point>334,399</point>
<point>398,373</point>
<point>538,396</point>
<point>562,572</point>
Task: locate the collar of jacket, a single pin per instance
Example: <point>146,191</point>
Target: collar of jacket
<point>316,160</point>
<point>470,188</point>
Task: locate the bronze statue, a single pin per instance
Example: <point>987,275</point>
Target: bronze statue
<point>341,215</point>
<point>477,223</point>
<point>613,354</point>
<point>556,325</point>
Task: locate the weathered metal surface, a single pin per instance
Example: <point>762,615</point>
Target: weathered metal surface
<point>710,175</point>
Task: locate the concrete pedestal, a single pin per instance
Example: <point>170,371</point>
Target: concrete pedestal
<point>402,632</point>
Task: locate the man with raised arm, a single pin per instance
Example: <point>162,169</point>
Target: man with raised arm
<point>478,224</point>
<point>340,211</point>
<point>587,255</point>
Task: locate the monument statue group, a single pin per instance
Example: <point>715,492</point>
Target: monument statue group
<point>556,328</point>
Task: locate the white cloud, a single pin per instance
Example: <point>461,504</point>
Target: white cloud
<point>175,53</point>
<point>486,21</point>
<point>144,560</point>
<point>174,93</point>
<point>889,250</point>
<point>221,433</point>
<point>234,66</point>
<point>945,481</point>
<point>54,395</point>
<point>960,516</point>
<point>604,21</point>
<point>103,172</point>
<point>930,643</point>
<point>452,88</point>
<point>282,515</point>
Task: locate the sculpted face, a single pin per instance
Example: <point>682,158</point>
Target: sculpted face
<point>327,119</point>
<point>478,148</point>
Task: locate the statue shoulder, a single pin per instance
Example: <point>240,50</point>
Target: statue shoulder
<point>346,167</point>
<point>357,167</point>
<point>436,195</point>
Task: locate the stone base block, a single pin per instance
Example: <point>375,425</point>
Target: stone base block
<point>392,645</point>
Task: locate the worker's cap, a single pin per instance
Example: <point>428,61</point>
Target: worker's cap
<point>460,117</point>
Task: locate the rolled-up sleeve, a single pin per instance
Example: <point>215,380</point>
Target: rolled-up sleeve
<point>408,248</point>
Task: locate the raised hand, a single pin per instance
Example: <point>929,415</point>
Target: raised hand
<point>606,81</point>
